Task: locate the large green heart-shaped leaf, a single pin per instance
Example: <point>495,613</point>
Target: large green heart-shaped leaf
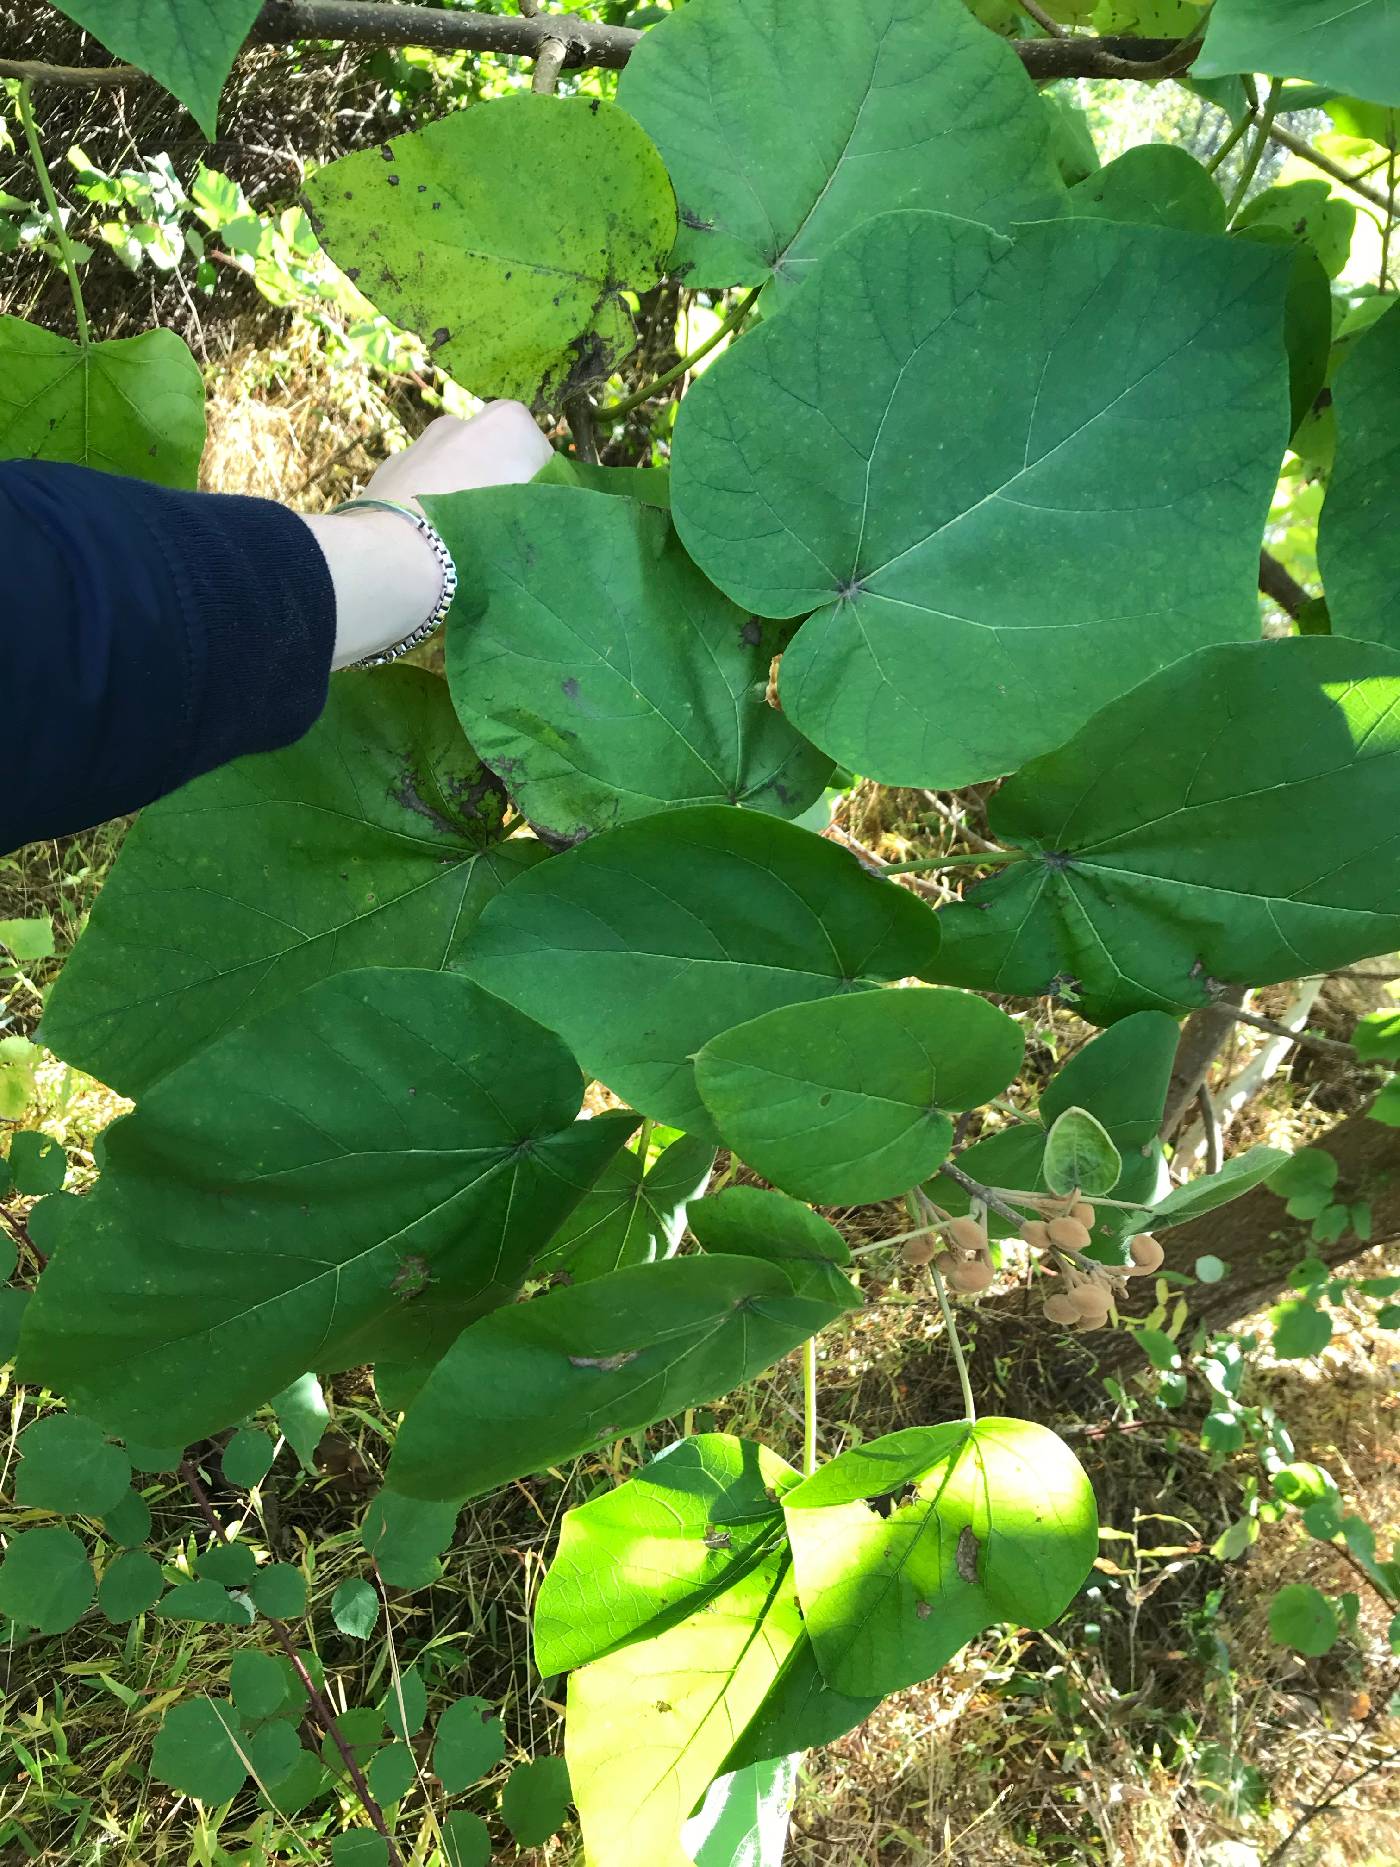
<point>1358,536</point>
<point>641,945</point>
<point>983,466</point>
<point>369,842</point>
<point>844,1101</point>
<point>1351,44</point>
<point>132,405</point>
<point>1000,1526</point>
<point>360,1171</point>
<point>505,235</point>
<point>575,1369</point>
<point>641,1557</point>
<point>1153,185</point>
<point>630,1215</point>
<point>187,45</point>
<point>757,1222</point>
<point>1230,819</point>
<point>800,1712</point>
<point>785,123</point>
<point>600,674</point>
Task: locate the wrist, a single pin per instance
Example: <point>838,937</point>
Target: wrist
<point>387,578</point>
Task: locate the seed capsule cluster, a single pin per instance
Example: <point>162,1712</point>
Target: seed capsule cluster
<point>1087,1294</point>
<point>965,1263</point>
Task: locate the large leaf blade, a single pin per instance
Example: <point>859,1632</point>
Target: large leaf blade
<point>1355,47</point>
<point>1358,535</point>
<point>187,45</point>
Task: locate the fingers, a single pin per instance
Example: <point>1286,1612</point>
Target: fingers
<point>499,447</point>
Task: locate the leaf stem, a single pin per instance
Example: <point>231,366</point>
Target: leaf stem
<point>664,381</point>
<point>60,232</point>
<point>916,1203</point>
<point>1256,152</point>
<point>1236,136</point>
<point>809,1406</point>
<point>989,858</point>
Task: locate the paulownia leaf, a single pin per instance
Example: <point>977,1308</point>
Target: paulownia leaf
<point>756,1222</point>
<point>600,674</point>
<point>785,122</point>
<point>1358,535</point>
<point>504,236</point>
<point>1229,819</point>
<point>132,405</point>
<point>372,841</point>
<point>1307,213</point>
<point>745,1817</point>
<point>658,1548</point>
<point>1008,480</point>
<point>630,1216</point>
<point>575,1369</point>
<point>649,485</point>
<point>362,1170</point>
<point>844,1101</point>
<point>641,945</point>
<point>1001,1526</point>
<point>187,45</point>
<point>1354,46</point>
<point>1153,185</point>
<point>800,1712</point>
<point>1192,1198</point>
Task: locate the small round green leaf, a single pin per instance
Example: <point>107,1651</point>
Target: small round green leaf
<point>194,1750</point>
<point>1301,1329</point>
<point>362,1729</point>
<point>535,1801</point>
<point>128,1522</point>
<point>146,1458</point>
<point>355,1609</point>
<point>1210,1269</point>
<point>259,1684</point>
<point>466,1840</point>
<point>391,1772</point>
<point>844,1101</point>
<point>247,1458</point>
<point>37,1162</point>
<point>406,1535</point>
<point>469,1742</point>
<point>48,1221</point>
<point>274,1751</point>
<point>67,1464</point>
<point>405,1704</point>
<point>46,1580</point>
<point>1080,1157</point>
<point>233,1564</point>
<point>279,1590</point>
<point>1302,1617</point>
<point>359,1849</point>
<point>130,1585</point>
<point>206,1603</point>
<point>303,1416</point>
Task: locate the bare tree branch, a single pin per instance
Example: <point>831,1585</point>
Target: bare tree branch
<point>1281,587</point>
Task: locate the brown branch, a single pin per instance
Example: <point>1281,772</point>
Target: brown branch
<point>1299,147</point>
<point>1310,1040</point>
<point>1281,587</point>
<point>321,1709</point>
<point>382,24</point>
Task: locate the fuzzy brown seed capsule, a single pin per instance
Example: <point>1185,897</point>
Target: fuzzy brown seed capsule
<point>1037,1233</point>
<point>975,1274</point>
<point>967,1235</point>
<point>919,1250</point>
<point>1059,1309</point>
<point>1084,1212</point>
<point>1089,1300</point>
<point>1147,1254</point>
<point>1069,1233</point>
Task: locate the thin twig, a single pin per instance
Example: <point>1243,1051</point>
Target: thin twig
<point>648,389</point>
<point>1310,1040</point>
<point>1250,167</point>
<point>1210,1122</point>
<point>1281,587</point>
<point>548,66</point>
<point>321,1709</point>
<point>1042,18</point>
<point>990,858</point>
<point>919,1205</point>
<point>1296,144</point>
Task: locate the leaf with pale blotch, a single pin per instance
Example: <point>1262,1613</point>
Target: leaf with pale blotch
<point>579,1367</point>
<point>600,674</point>
<point>1355,46</point>
<point>845,1101</point>
<point>950,449</point>
<point>998,1524</point>
<point>641,945</point>
<point>785,122</point>
<point>1251,842</point>
<point>361,1171</point>
<point>132,405</point>
<point>505,235</point>
<point>372,841</point>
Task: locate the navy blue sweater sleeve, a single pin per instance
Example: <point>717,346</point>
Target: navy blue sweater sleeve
<point>146,636</point>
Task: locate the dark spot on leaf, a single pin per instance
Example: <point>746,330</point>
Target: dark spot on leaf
<point>422,187</point>
<point>751,634</point>
<point>436,206</point>
<point>408,791</point>
<point>968,1551</point>
<point>569,688</point>
<point>393,181</point>
<point>352,273</point>
<point>718,1539</point>
<point>1324,399</point>
<point>923,1610</point>
<point>593,106</point>
<point>696,222</point>
<point>1056,858</point>
<point>387,151</point>
<point>439,337</point>
<point>848,592</point>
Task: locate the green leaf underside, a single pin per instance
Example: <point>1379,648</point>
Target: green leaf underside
<point>372,841</point>
<point>756,1222</point>
<point>1306,213</point>
<point>1358,537</point>
<point>1153,185</point>
<point>783,121</point>
<point>981,466</point>
<point>655,1550</point>
<point>577,1368</point>
<point>187,45</point>
<point>359,1172</point>
<point>1238,1176</point>
<point>132,405</point>
<point>1251,841</point>
<point>628,1217</point>
<point>641,945</point>
<point>600,674</point>
<point>1352,44</point>
<point>845,1100</point>
<point>1080,1156</point>
<point>890,1599</point>
<point>503,235</point>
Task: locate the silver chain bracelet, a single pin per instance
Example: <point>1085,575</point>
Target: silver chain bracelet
<point>444,557</point>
